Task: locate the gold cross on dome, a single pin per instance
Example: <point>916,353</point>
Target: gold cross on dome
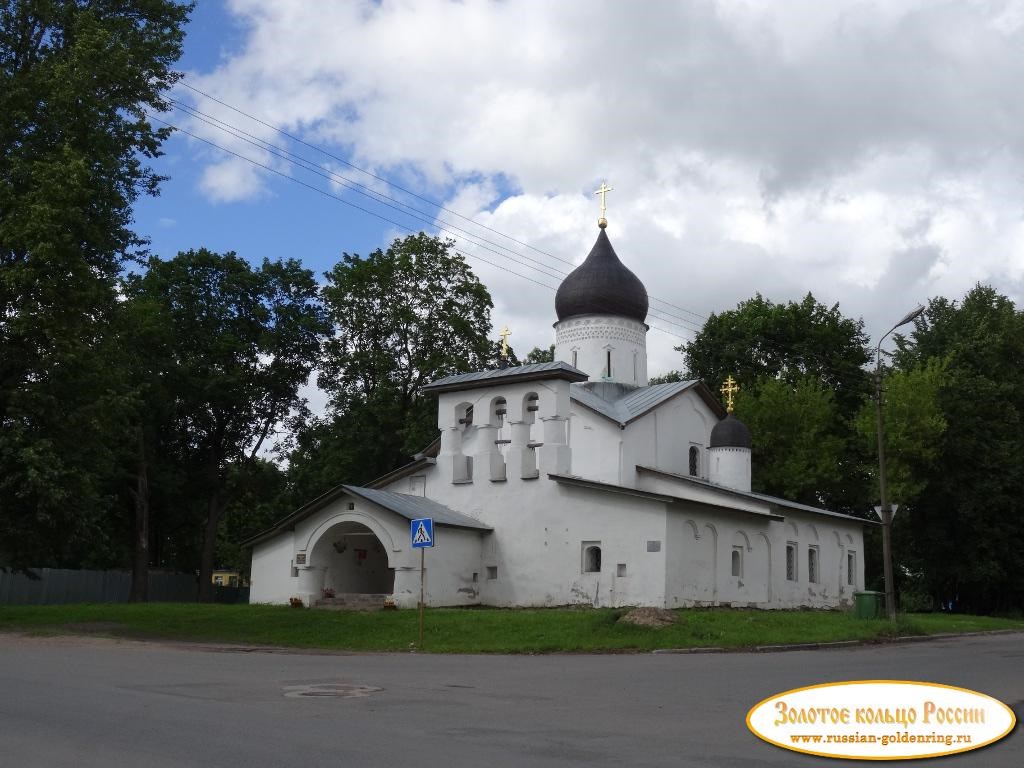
<point>729,389</point>
<point>603,192</point>
<point>504,333</point>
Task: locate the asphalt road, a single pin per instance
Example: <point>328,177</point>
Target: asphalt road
<point>86,702</point>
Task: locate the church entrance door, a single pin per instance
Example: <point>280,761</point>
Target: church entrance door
<point>354,561</point>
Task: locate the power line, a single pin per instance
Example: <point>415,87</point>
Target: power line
<point>546,270</point>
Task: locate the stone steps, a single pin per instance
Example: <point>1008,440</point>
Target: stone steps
<point>352,602</point>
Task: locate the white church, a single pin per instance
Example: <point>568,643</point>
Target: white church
<point>570,483</point>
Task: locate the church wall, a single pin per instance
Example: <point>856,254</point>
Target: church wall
<point>596,446</point>
<point>662,438</point>
<point>535,555</point>
<point>699,567</point>
<point>271,579</point>
<point>832,539</point>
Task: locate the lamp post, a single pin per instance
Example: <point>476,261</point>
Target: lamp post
<point>885,511</point>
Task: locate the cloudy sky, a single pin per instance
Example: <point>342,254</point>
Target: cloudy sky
<point>871,153</point>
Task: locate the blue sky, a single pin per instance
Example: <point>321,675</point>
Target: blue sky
<point>869,153</point>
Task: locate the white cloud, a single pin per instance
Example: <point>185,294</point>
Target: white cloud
<point>869,152</point>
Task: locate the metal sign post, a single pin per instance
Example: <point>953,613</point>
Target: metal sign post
<point>421,531</point>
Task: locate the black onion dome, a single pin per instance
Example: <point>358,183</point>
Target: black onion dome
<point>602,285</point>
<point>730,432</point>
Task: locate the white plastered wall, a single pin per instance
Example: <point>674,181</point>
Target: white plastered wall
<point>590,339</point>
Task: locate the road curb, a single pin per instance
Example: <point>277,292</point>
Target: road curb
<point>840,643</point>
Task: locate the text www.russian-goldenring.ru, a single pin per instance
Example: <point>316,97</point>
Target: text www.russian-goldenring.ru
<point>885,739</point>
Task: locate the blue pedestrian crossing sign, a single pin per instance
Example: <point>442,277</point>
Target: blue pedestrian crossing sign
<point>422,531</point>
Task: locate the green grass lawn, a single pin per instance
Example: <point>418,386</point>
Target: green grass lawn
<point>472,631</point>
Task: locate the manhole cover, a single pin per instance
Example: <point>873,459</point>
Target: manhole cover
<point>329,691</point>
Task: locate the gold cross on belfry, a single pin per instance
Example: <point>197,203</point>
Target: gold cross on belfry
<point>603,192</point>
<point>729,389</point>
<point>504,333</point>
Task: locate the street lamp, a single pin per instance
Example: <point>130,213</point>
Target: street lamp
<point>885,512</point>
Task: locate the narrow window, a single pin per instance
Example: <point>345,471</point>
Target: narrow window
<point>851,568</point>
<point>812,565</point>
<point>737,562</point>
<point>575,358</point>
<point>476,577</point>
<point>492,572</point>
<point>694,461</point>
<point>591,557</point>
<point>608,367</point>
<point>791,561</point>
<point>634,366</point>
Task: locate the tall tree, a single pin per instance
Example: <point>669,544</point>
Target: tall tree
<point>789,341</point>
<point>244,342</point>
<point>964,528</point>
<point>402,317</point>
<point>76,79</point>
<point>798,448</point>
<point>790,357</point>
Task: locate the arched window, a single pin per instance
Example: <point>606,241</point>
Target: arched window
<point>592,558</point>
<point>812,564</point>
<point>737,562</point>
<point>694,461</point>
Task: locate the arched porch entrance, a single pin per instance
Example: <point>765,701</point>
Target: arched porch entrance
<point>354,561</point>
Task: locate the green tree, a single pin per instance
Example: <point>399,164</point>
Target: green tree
<point>244,341</point>
<point>538,355</point>
<point>816,358</point>
<point>76,80</point>
<point>789,341</point>
<point>797,448</point>
<point>962,531</point>
<point>402,317</point>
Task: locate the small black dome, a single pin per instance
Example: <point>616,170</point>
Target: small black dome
<point>730,432</point>
<point>602,285</point>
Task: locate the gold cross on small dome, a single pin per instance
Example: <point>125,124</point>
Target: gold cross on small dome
<point>728,390</point>
<point>603,192</point>
<point>504,333</point>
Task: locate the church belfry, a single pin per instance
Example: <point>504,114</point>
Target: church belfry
<point>601,308</point>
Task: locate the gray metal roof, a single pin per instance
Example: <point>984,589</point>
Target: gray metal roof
<point>557,369</point>
<point>412,507</point>
<point>631,404</point>
<point>774,500</point>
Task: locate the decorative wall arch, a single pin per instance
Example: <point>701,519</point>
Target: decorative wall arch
<point>739,535</point>
<point>696,530</point>
<point>814,531</point>
<point>768,552</point>
<point>714,558</point>
<point>794,530</point>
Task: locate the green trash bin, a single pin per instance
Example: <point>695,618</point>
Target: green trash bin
<point>868,604</point>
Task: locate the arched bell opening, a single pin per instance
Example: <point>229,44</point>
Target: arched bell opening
<point>354,560</point>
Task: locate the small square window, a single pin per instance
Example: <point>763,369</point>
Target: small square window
<point>492,572</point>
<point>620,569</point>
<point>351,505</point>
<point>654,546</point>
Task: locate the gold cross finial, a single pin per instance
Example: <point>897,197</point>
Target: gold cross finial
<point>603,192</point>
<point>504,333</point>
<point>729,389</point>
